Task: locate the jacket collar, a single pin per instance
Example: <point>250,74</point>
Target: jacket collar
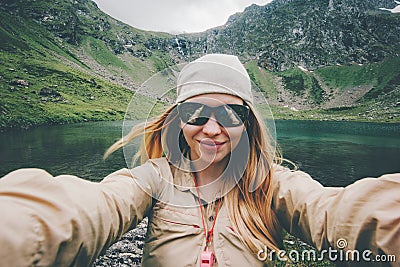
<point>184,179</point>
<point>183,175</point>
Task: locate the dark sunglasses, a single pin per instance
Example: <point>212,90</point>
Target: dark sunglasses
<point>229,115</point>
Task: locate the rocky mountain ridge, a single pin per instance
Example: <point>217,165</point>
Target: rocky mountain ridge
<point>312,34</point>
<point>281,35</point>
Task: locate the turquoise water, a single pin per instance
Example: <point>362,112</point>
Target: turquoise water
<point>334,153</point>
<point>338,153</point>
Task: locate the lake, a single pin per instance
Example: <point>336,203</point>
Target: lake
<point>334,153</point>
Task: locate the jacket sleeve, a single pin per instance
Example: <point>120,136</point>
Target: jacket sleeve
<point>65,220</point>
<point>362,216</point>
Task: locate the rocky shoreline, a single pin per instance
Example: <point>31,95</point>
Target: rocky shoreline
<point>127,251</point>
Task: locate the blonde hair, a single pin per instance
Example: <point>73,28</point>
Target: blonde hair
<point>250,202</point>
<point>249,208</point>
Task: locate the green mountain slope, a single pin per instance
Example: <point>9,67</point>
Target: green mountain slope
<point>37,87</point>
<point>369,92</point>
<point>55,74</point>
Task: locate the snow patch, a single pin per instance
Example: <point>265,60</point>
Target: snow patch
<point>393,10</point>
<point>302,68</point>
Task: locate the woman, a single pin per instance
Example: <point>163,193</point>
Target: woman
<point>210,184</point>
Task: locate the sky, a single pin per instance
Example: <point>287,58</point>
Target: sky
<point>174,16</point>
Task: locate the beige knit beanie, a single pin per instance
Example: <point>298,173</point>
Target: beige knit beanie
<point>214,73</point>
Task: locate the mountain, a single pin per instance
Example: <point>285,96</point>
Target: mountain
<point>66,61</point>
<point>308,33</point>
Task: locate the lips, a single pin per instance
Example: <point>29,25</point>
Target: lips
<point>211,144</point>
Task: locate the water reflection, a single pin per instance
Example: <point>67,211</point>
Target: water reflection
<point>63,149</point>
<point>338,153</point>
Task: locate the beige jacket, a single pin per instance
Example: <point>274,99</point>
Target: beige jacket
<point>64,220</point>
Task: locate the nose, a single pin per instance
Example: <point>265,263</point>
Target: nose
<point>211,127</point>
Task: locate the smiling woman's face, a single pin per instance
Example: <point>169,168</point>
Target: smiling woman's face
<point>211,143</point>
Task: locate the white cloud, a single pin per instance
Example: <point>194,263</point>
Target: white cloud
<point>174,15</point>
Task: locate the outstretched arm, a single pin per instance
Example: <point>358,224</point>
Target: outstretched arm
<point>64,220</point>
<point>366,213</point>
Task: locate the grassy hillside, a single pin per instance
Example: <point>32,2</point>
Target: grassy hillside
<point>380,75</point>
<point>42,82</point>
<point>67,61</point>
<point>369,92</point>
<point>42,92</point>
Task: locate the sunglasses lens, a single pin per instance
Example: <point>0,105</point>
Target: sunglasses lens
<point>227,115</point>
<point>235,115</point>
<point>191,113</point>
